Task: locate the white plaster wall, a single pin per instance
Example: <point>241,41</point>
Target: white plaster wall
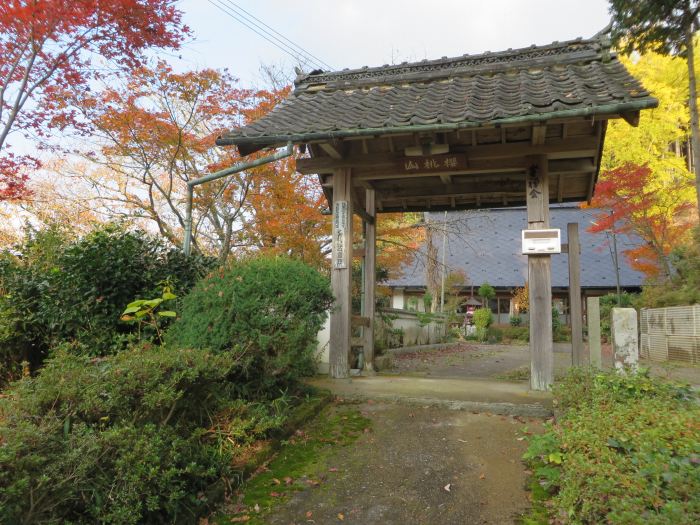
<point>398,299</point>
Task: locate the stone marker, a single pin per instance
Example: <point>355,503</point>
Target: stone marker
<point>625,339</point>
<point>593,318</point>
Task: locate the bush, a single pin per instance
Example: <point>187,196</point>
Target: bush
<point>57,289</point>
<point>494,335</point>
<point>482,319</point>
<point>516,333</point>
<point>131,438</point>
<point>607,303</point>
<point>626,450</point>
<point>265,311</point>
<point>515,320</point>
<point>684,287</point>
<point>486,292</point>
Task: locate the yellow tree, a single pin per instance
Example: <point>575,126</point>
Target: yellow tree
<point>660,141</point>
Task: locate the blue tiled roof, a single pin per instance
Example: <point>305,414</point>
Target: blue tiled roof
<point>486,245</point>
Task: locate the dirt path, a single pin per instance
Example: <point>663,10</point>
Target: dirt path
<point>419,465</point>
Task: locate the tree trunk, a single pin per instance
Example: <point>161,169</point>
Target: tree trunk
<point>432,271</point>
<point>693,105</point>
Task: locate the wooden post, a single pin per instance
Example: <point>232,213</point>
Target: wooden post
<point>593,318</point>
<point>575,314</point>
<point>540,280</point>
<point>370,278</point>
<point>341,273</point>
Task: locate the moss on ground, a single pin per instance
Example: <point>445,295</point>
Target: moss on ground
<point>301,463</point>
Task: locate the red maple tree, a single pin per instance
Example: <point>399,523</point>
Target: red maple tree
<point>632,202</point>
<point>52,49</point>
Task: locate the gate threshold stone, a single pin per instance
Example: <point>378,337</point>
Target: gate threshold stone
<point>475,395</point>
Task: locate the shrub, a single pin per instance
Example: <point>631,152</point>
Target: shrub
<point>515,320</point>
<point>494,334</point>
<point>516,333</point>
<point>482,320</point>
<point>607,303</point>
<point>266,311</point>
<point>684,286</point>
<point>57,289</point>
<point>130,438</point>
<point>486,292</point>
<point>626,450</point>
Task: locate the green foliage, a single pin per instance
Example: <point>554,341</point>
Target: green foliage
<point>146,313</point>
<point>56,289</point>
<point>655,25</point>
<point>494,334</point>
<point>427,302</point>
<point>482,320</point>
<point>515,320</point>
<point>486,292</point>
<point>607,303</point>
<point>519,334</point>
<point>266,312</point>
<point>626,450</point>
<point>684,288</point>
<point>145,436</point>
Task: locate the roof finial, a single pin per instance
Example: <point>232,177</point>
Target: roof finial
<point>603,36</point>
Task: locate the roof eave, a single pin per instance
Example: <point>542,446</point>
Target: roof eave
<point>259,142</point>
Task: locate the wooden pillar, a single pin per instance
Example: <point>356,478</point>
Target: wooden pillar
<point>341,273</point>
<point>540,280</point>
<point>575,314</point>
<point>593,318</point>
<point>370,278</point>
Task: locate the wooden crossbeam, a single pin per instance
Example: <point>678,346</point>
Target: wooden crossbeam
<point>571,147</point>
<point>334,150</point>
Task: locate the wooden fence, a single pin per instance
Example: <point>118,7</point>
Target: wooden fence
<point>671,334</point>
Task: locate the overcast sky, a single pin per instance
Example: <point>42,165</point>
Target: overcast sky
<point>355,33</point>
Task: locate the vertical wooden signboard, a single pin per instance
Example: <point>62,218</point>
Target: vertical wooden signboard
<point>339,347</point>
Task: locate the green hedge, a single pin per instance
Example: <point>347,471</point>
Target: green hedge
<point>627,450</point>
<point>146,436</point>
<point>265,311</point>
<point>55,289</point>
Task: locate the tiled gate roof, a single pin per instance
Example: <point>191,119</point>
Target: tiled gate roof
<point>533,83</point>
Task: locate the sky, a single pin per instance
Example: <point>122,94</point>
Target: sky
<point>356,33</point>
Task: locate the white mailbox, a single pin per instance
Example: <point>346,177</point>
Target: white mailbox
<point>541,241</point>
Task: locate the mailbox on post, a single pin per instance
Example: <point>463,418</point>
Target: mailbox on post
<point>541,241</point>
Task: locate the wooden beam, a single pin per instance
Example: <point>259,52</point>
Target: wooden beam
<point>572,147</point>
<point>362,213</point>
<point>334,150</point>
<point>560,188</point>
<point>575,314</point>
<point>632,118</point>
<point>512,184</point>
<point>369,284</point>
<point>481,167</point>
<point>539,133</point>
<point>540,280</point>
<point>341,274</point>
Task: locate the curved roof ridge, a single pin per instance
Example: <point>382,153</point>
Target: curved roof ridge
<point>576,49</point>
